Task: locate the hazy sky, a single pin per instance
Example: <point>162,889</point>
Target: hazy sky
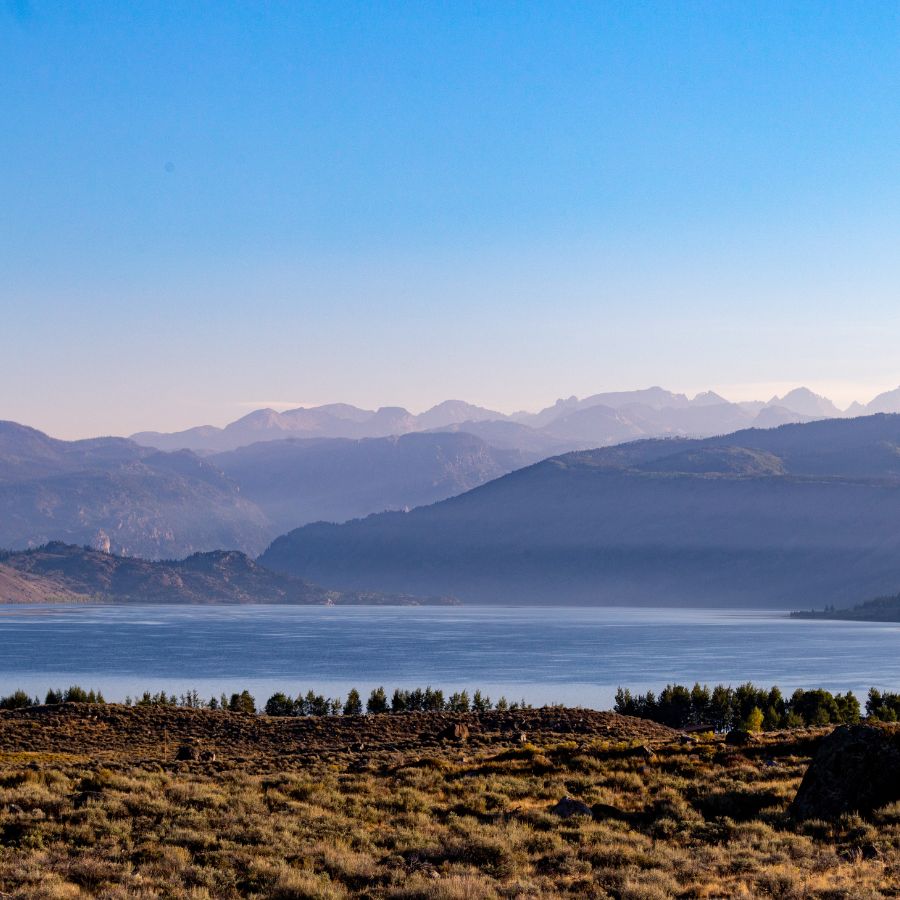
<point>210,206</point>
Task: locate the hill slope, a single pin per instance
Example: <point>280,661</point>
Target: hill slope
<point>63,572</point>
<point>141,501</point>
<point>299,481</point>
<point>781,518</point>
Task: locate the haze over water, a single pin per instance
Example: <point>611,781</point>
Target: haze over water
<point>572,655</point>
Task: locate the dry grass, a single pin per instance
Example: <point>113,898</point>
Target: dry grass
<point>447,821</point>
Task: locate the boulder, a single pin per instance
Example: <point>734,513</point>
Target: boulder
<point>739,737</point>
<point>605,811</point>
<point>644,752</point>
<point>855,769</point>
<point>455,732</point>
<point>187,752</point>
<point>568,807</point>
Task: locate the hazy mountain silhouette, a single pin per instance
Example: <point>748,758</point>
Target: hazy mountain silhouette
<point>569,424</point>
<point>154,504</point>
<point>336,420</point>
<point>141,501</point>
<point>299,481</point>
<point>796,516</point>
<point>804,402</point>
<point>888,402</point>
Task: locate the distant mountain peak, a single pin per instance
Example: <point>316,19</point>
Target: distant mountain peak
<point>807,403</point>
<point>708,398</point>
<point>888,402</point>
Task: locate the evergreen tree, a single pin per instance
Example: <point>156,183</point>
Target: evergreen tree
<point>377,702</point>
<point>353,705</point>
<point>480,702</point>
<point>279,705</point>
<point>242,703</point>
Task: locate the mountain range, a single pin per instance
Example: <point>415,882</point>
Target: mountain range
<point>793,516</point>
<point>570,424</point>
<point>788,517</point>
<point>114,494</point>
<point>334,479</point>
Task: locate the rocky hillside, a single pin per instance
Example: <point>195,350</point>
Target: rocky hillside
<point>116,494</point>
<point>780,518</point>
<point>65,572</point>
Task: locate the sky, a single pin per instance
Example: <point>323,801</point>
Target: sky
<point>209,207</point>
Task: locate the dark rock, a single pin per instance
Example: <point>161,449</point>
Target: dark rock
<point>739,737</point>
<point>644,752</point>
<point>455,732</point>
<point>605,811</point>
<point>568,807</point>
<point>856,769</point>
<point>187,752</point>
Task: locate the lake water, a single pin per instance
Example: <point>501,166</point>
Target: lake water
<point>544,655</point>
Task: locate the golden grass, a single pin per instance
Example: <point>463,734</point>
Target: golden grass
<point>437,822</point>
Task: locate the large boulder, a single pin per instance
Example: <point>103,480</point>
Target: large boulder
<point>568,807</point>
<point>856,769</point>
<point>455,732</point>
<point>739,737</point>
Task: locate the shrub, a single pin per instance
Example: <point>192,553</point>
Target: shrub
<point>754,721</point>
<point>17,700</point>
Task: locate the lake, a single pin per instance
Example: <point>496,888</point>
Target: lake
<point>569,655</point>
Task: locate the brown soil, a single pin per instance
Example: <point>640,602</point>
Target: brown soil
<point>148,732</point>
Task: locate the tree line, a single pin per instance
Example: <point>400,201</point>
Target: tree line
<point>746,706</point>
<point>281,704</point>
<point>720,708</point>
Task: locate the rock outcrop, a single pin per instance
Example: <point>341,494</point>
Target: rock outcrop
<point>568,807</point>
<point>856,769</point>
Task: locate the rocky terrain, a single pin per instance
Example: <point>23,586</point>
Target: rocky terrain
<point>113,493</point>
<point>139,730</point>
<point>63,572</point>
<point>109,801</point>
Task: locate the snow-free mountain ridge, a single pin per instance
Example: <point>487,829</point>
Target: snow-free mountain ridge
<point>569,424</point>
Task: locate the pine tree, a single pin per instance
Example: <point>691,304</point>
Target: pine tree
<point>377,702</point>
<point>353,705</point>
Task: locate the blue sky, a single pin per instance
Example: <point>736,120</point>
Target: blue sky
<point>205,207</point>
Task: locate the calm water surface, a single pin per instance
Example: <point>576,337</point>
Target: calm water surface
<point>569,655</point>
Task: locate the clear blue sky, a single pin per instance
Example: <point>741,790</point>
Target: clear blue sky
<point>209,206</point>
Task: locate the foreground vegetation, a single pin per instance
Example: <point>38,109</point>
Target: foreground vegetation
<point>93,803</point>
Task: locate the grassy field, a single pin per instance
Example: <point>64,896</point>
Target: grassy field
<point>93,803</point>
